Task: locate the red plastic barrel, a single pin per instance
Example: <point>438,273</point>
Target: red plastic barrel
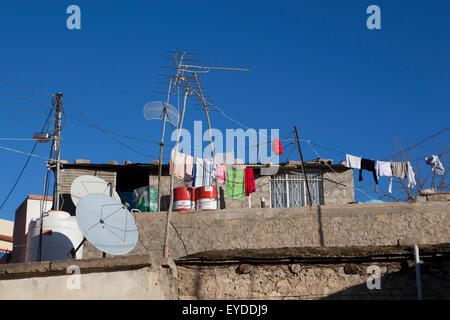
<point>183,199</point>
<point>206,198</point>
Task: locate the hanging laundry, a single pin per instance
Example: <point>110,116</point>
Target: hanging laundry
<point>235,183</point>
<point>368,165</point>
<point>399,169</point>
<point>352,161</point>
<point>181,164</point>
<point>277,148</point>
<point>207,172</point>
<point>222,173</point>
<point>249,181</point>
<point>198,173</point>
<point>383,169</point>
<point>410,178</point>
<point>188,168</point>
<point>436,165</point>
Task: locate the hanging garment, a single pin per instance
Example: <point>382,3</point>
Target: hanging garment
<point>383,169</point>
<point>222,173</point>
<point>436,165</point>
<point>399,169</point>
<point>198,175</point>
<point>177,164</point>
<point>352,161</point>
<point>207,172</point>
<point>249,181</point>
<point>188,168</point>
<point>410,179</point>
<point>276,147</point>
<point>368,165</point>
<point>235,183</point>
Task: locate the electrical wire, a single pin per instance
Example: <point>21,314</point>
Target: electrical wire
<point>25,99</point>
<point>25,165</point>
<point>25,87</point>
<point>107,133</point>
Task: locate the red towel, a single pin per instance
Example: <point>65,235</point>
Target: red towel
<point>276,147</point>
<point>249,181</point>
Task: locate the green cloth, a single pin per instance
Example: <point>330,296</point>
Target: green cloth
<point>146,199</point>
<point>235,183</point>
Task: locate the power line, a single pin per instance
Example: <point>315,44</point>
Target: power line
<point>25,165</point>
<point>20,121</point>
<point>106,132</point>
<point>25,99</point>
<point>21,109</point>
<point>25,87</point>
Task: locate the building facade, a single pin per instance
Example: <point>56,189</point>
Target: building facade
<point>328,183</point>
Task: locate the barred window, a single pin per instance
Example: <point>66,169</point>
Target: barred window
<point>289,189</point>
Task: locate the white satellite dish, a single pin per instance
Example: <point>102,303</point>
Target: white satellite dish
<point>84,185</point>
<point>107,224</point>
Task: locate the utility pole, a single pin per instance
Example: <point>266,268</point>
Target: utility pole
<point>303,167</point>
<point>161,145</point>
<point>57,135</point>
<point>180,126</point>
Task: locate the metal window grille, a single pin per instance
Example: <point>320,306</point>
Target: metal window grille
<point>289,189</point>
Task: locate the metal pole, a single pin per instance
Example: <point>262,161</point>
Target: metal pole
<point>56,193</point>
<point>161,146</point>
<point>303,167</point>
<point>202,99</point>
<point>418,277</point>
<point>166,236</point>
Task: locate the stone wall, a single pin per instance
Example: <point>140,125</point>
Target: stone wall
<point>320,226</point>
<point>139,277</point>
<point>312,281</point>
<point>338,187</point>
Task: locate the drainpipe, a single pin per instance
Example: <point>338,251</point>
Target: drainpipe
<point>418,278</point>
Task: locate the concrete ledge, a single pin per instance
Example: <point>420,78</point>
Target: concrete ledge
<point>46,268</point>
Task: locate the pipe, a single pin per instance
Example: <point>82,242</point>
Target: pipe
<point>418,277</point>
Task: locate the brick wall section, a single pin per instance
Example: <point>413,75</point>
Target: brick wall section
<point>328,226</point>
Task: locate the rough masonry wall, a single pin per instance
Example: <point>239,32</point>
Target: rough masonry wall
<point>306,281</point>
<point>324,226</point>
<point>338,187</point>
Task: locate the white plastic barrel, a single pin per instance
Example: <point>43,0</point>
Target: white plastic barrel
<point>60,235</point>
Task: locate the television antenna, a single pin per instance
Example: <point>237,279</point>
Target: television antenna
<point>106,223</point>
<point>190,84</point>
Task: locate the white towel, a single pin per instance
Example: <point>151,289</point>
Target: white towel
<point>353,161</point>
<point>411,180</point>
<point>384,169</point>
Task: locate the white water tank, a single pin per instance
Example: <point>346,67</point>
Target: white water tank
<point>60,234</point>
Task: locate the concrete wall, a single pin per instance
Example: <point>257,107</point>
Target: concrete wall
<point>140,277</point>
<point>6,233</point>
<point>324,226</point>
<point>338,187</point>
<point>28,210</point>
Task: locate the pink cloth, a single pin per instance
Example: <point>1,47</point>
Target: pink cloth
<point>182,164</point>
<point>222,173</point>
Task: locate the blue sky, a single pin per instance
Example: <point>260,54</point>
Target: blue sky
<point>313,64</point>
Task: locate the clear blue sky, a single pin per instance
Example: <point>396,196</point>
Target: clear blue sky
<point>314,64</point>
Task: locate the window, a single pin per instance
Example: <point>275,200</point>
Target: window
<point>289,189</point>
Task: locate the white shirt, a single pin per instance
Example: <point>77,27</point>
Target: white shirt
<point>353,161</point>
